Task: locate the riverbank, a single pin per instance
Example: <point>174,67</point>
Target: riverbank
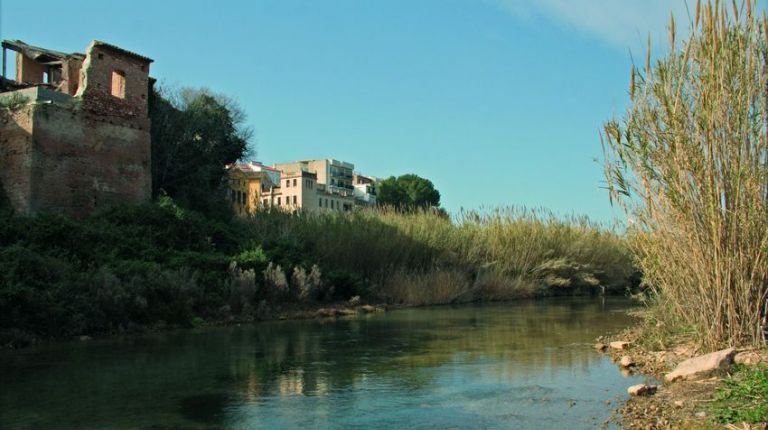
<point>132,268</point>
<point>698,403</point>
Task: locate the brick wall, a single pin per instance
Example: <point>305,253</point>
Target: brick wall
<point>80,147</point>
<point>29,71</point>
<point>96,83</point>
<point>16,157</point>
<point>62,159</point>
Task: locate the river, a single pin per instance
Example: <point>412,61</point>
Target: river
<point>527,364</point>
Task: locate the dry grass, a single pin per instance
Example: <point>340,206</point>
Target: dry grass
<point>689,163</point>
<point>424,257</point>
<point>439,286</point>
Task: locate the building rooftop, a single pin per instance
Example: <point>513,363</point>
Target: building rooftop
<point>42,55</point>
<point>252,166</point>
<point>101,44</point>
<point>51,57</point>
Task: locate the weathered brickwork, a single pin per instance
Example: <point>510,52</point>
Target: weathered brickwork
<point>74,145</point>
<point>16,157</point>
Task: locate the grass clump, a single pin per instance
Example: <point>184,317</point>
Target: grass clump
<point>743,397</point>
<point>689,163</point>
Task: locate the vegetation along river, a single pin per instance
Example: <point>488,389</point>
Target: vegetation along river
<point>517,365</point>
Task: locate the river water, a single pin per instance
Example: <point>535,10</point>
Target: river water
<point>515,365</point>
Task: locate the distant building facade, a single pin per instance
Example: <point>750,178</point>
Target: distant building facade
<point>365,189</point>
<point>74,129</point>
<point>246,184</point>
<point>309,185</point>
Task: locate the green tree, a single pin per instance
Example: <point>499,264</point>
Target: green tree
<point>408,192</point>
<point>194,134</point>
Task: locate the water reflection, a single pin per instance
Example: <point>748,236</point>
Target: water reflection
<point>501,366</point>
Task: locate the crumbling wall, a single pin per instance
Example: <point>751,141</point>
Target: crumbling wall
<point>70,76</point>
<point>16,157</point>
<point>29,71</point>
<point>84,161</point>
<point>96,85</point>
<point>83,145</point>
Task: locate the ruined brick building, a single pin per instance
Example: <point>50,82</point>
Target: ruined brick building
<point>74,129</point>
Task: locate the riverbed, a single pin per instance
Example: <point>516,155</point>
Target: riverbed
<point>527,364</point>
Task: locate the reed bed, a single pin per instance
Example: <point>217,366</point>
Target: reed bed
<point>424,257</point>
<point>688,161</point>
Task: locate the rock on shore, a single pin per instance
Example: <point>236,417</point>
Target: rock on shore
<point>626,361</point>
<point>641,390</point>
<point>701,365</point>
<point>619,344</point>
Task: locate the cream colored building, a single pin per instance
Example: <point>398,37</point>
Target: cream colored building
<point>310,185</point>
<point>333,173</point>
<point>301,190</point>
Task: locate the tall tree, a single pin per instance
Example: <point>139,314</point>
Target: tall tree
<point>195,133</point>
<point>408,192</point>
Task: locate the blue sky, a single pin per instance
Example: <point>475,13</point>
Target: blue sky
<point>498,102</point>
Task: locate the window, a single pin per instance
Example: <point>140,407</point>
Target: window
<point>320,202</point>
<point>266,202</point>
<point>118,83</point>
<point>278,201</point>
<point>287,182</point>
<point>294,182</point>
<point>294,200</point>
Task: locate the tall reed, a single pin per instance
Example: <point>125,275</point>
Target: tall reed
<point>688,161</point>
<point>424,257</point>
